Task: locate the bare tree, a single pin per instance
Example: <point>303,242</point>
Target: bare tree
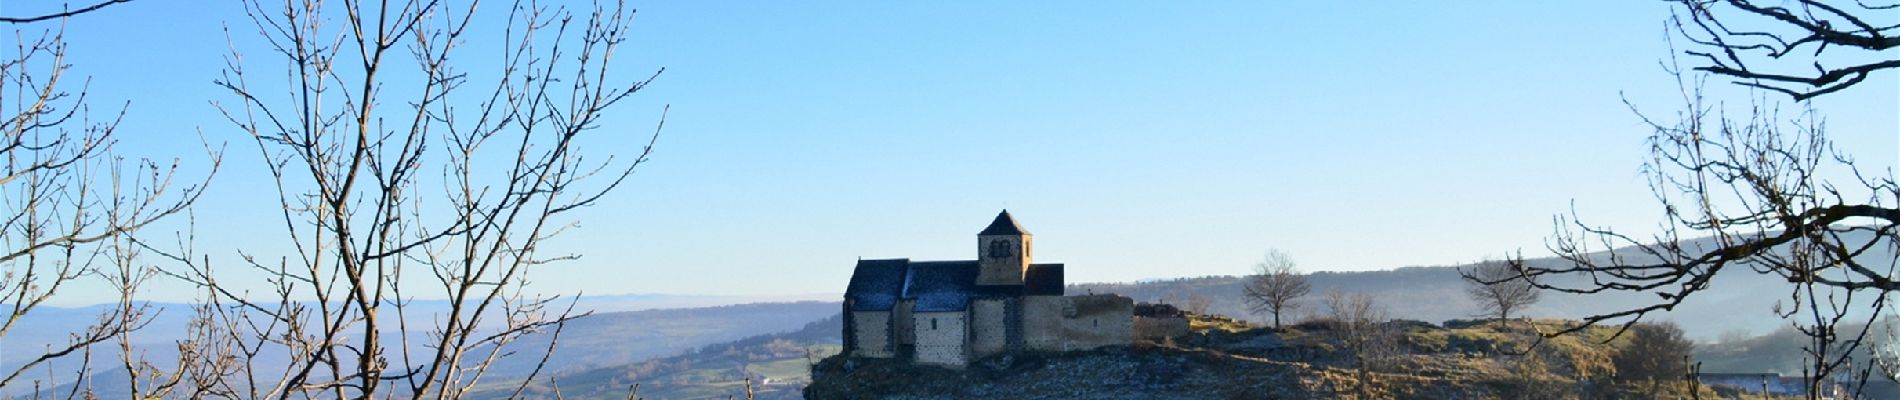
<point>1275,286</point>
<point>1500,287</point>
<point>1755,188</point>
<point>404,173</point>
<point>1778,45</point>
<point>1771,193</point>
<point>71,209</point>
<point>1359,325</point>
<point>1198,303</point>
<point>1360,322</point>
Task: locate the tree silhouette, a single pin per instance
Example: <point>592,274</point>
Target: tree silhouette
<point>1783,46</point>
<point>1275,286</point>
<point>1500,288</point>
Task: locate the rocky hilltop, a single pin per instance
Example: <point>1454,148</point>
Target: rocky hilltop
<point>1223,359</point>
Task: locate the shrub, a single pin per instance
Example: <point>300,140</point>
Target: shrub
<point>1317,325</point>
<point>1464,323</point>
<point>1408,325</point>
<point>1656,351</point>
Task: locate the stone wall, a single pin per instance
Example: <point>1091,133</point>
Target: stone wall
<point>1006,270</point>
<point>872,332</point>
<point>989,326</point>
<point>1098,320</point>
<point>1156,328</point>
<point>940,338</point>
<point>1052,323</point>
<point>1042,322</point>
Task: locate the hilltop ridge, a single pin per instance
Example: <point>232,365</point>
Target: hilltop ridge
<point>1226,359</point>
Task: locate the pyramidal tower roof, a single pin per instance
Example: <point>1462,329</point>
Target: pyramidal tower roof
<point>1004,225</point>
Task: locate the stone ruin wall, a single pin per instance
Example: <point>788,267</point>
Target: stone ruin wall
<point>1160,321</point>
<point>1042,322</point>
<point>1099,320</point>
<point>1053,323</point>
<point>1156,328</point>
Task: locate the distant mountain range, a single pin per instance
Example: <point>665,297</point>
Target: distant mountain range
<point>1436,294</point>
<point>631,330</point>
<point>660,327</point>
<point>1739,301</point>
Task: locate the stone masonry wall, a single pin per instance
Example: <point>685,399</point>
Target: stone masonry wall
<point>1042,322</point>
<point>1155,328</point>
<point>940,338</point>
<point>1052,323</point>
<point>989,324</point>
<point>1098,320</point>
<point>872,333</point>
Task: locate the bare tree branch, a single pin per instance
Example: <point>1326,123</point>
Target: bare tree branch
<point>1757,189</point>
<point>70,207</point>
<point>62,14</point>
<point>1755,57</point>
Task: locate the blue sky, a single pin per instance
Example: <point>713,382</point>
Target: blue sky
<point>1136,141</point>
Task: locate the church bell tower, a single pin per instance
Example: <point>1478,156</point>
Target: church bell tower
<point>1003,252</point>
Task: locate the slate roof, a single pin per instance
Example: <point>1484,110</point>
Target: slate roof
<point>1004,225</point>
<point>942,285</point>
<point>877,285</point>
<point>1043,280</point>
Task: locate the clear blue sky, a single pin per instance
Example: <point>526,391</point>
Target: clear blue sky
<point>1135,141</point>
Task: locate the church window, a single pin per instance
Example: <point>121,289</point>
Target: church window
<point>1000,248</point>
<point>933,323</point>
<point>1096,322</point>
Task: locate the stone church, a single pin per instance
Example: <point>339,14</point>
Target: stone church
<point>948,313</point>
